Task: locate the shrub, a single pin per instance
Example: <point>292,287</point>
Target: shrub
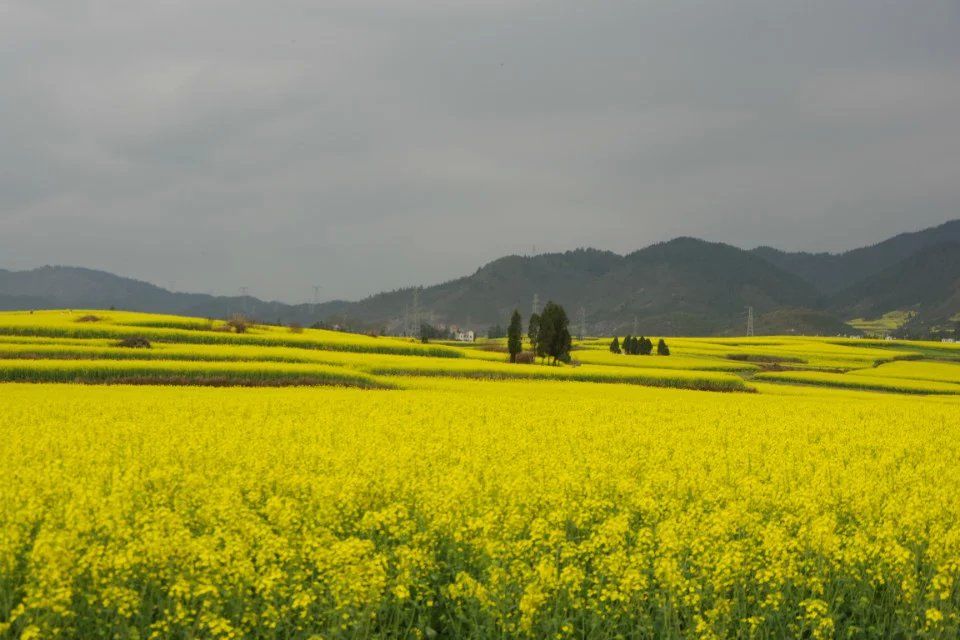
<point>239,323</point>
<point>296,327</point>
<point>89,318</point>
<point>526,357</point>
<point>615,345</point>
<point>134,342</point>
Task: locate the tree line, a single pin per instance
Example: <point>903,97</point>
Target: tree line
<point>634,346</point>
<point>547,331</point>
<point>549,336</point>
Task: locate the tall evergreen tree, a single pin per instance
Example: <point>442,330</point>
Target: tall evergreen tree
<point>554,339</point>
<point>533,332</point>
<point>662,348</point>
<point>515,335</point>
<point>645,346</point>
<point>615,345</point>
<point>626,344</point>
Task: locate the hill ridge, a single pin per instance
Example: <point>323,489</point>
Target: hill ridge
<point>682,285</point>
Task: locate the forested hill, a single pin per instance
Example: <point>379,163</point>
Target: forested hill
<point>684,286</point>
<point>833,272</point>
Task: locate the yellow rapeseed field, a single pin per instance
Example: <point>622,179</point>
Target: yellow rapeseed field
<point>437,491</point>
<point>476,509</point>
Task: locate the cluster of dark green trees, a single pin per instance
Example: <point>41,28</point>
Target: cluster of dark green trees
<point>548,332</point>
<point>496,331</point>
<point>634,346</point>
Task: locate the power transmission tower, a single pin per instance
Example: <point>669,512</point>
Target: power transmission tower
<point>243,294</point>
<point>749,321</point>
<point>583,323</point>
<point>634,326</point>
<point>536,304</point>
<point>316,298</point>
<point>416,312</point>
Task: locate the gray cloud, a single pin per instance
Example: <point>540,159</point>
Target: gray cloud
<point>367,145</point>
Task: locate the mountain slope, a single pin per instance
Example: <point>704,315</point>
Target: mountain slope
<point>927,283</point>
<point>831,272</point>
<point>692,286</point>
<point>684,286</point>
<point>75,287</point>
<point>490,294</point>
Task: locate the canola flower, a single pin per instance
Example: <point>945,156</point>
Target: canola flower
<point>63,324</point>
<point>179,372</point>
<point>534,509</point>
<point>865,379</point>
<point>932,371</point>
<point>43,360</point>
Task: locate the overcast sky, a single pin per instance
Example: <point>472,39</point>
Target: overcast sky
<point>363,145</point>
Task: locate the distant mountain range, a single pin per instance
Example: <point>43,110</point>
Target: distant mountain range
<point>684,286</point>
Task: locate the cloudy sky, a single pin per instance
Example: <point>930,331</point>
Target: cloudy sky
<point>362,145</point>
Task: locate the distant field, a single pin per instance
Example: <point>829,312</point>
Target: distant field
<point>886,323</point>
<point>719,364</point>
<point>604,357</point>
<point>116,324</point>
<point>862,380</point>
<point>935,371</point>
<point>182,373</point>
<point>795,353</point>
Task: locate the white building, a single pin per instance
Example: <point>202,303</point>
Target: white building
<point>463,336</point>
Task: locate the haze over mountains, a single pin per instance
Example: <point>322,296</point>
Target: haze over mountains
<point>684,286</point>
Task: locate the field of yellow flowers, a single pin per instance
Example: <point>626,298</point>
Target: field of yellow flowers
<point>360,486</point>
<point>465,508</point>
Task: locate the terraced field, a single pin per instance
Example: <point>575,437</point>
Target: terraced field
<point>84,346</point>
<point>170,329</point>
